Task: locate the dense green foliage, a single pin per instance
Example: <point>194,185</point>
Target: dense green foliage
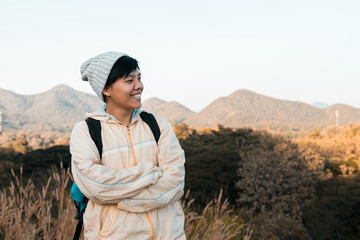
<point>334,213</point>
<point>212,160</point>
<point>279,183</point>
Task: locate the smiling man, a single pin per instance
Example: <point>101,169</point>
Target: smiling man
<point>122,91</point>
<point>135,184</point>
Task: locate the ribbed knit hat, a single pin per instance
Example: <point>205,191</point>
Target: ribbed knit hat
<point>97,69</point>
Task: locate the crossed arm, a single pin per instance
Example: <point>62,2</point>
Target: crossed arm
<point>136,189</point>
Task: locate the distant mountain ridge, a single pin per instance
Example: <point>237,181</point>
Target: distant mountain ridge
<point>320,105</point>
<point>62,106</point>
<point>244,108</point>
<point>56,109</point>
<point>173,111</point>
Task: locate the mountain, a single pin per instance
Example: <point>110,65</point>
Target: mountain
<point>347,114</point>
<point>320,105</point>
<point>173,111</point>
<point>61,107</point>
<point>56,109</point>
<point>244,108</point>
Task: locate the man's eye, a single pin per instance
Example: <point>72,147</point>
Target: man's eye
<point>139,79</point>
<point>129,81</point>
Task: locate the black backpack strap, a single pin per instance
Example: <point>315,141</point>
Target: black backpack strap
<point>150,120</point>
<point>78,229</point>
<point>95,133</point>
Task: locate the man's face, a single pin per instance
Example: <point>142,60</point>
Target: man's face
<point>125,93</point>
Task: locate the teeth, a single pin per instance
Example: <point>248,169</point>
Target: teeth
<point>137,96</point>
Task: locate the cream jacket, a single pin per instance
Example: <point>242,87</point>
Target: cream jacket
<point>134,193</point>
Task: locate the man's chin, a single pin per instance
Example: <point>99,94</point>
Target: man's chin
<point>137,106</point>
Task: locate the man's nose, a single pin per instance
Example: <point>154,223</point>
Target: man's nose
<point>139,84</point>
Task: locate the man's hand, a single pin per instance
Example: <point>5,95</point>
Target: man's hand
<point>97,162</point>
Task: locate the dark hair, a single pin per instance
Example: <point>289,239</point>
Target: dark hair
<point>122,68</point>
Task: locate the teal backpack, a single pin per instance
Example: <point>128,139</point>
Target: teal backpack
<point>80,200</point>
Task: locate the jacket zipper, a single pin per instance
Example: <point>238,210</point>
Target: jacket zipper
<point>147,214</point>
<point>131,146</point>
<point>152,232</point>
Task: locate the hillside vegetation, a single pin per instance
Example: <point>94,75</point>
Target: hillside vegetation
<point>287,188</point>
<point>276,188</point>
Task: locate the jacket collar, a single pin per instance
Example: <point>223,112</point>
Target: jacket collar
<point>101,115</point>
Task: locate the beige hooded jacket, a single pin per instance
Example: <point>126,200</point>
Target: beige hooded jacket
<point>134,193</point>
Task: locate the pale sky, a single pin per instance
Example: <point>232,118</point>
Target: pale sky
<point>189,51</point>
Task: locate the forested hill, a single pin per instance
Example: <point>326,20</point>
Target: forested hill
<point>57,109</point>
<point>174,111</point>
<point>61,107</point>
<point>244,108</point>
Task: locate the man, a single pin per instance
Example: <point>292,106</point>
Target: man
<point>134,190</point>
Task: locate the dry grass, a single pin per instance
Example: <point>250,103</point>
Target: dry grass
<point>216,222</point>
<point>30,214</point>
<point>27,213</point>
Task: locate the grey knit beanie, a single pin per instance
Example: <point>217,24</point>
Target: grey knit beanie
<point>97,69</point>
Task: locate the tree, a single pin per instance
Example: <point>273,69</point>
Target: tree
<point>182,130</point>
<point>21,145</point>
<point>274,179</point>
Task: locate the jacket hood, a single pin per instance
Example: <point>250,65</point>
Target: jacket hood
<point>101,115</point>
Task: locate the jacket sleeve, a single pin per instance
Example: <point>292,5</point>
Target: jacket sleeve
<point>99,183</point>
<point>170,186</point>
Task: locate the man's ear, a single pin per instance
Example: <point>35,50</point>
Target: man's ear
<point>106,92</point>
